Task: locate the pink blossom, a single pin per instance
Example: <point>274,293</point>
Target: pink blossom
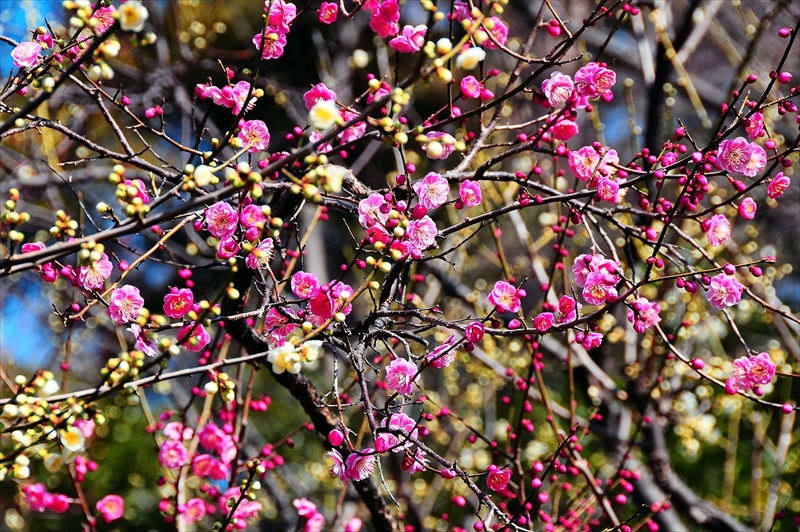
<point>246,509</point>
<point>142,343</point>
<point>421,234</point>
<point>586,163</point>
<point>607,189</point>
<point>498,479</point>
<point>724,291</point>
<point>401,375</point>
<point>104,18</point>
<point>251,216</point>
<point>736,155</point>
<point>178,431</point>
<point>260,256</point>
<point>178,302</point>
<point>26,55</point>
<point>643,314</point>
<point>277,323</point>
<point>564,129</point>
<point>742,380</point>
<point>46,39</point>
<point>239,93</point>
<point>338,468</point>
<point>384,19</point>
<point>461,11</point>
<point>206,466</point>
<point>274,43</point>
<point>93,277</point>
<point>86,426</point>
<point>47,271</point>
<point>747,208</point>
<point>778,185</point>
<point>568,308</point>
<point>470,193</point>
<point>254,135</point>
<point>586,264</point>
<point>599,288</point>
<point>755,126</point>
<point>111,507</point>
<point>592,81</point>
<point>280,14</point>
<point>410,39</point>
<point>125,304</point>
<point>35,496</point>
<point>543,321</point>
<point>354,132</point>
<point>373,210</point>
<point>227,248</point>
<point>305,285</point>
<point>328,12</point>
<point>317,93</point>
<point>388,441</point>
<point>443,355</point>
<point>432,190</point>
<point>172,454</point>
<point>471,87</point>
<point>719,229</point>
<point>505,297</point>
<point>197,341</point>
<point>498,30</point>
<point>221,219</point>
<point>360,465</point>
<point>762,369</point>
<point>416,463</point>
<point>57,502</point>
<point>193,511</point>
<point>558,89</point>
<point>474,332</point>
<point>592,340</point>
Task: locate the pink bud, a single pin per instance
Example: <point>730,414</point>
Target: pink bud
<point>335,437</point>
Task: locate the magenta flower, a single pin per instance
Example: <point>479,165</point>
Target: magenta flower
<point>221,219</point>
<point>736,155</point>
<point>254,135</point>
<point>443,355</point>
<point>474,332</point>
<point>373,210</point>
<point>592,81</point>
<point>172,454</point>
<point>206,466</point>
<point>421,234</point>
<point>239,94</point>
<point>643,314</point>
<point>748,208</point>
<point>432,190</point>
<point>718,229</point>
<point>724,291</point>
<point>410,39</point>
<point>586,163</point>
<point>251,216</point>
<point>558,89</point>
<point>607,189</point>
<point>354,132</point>
<point>35,496</point>
<point>360,465</point>
<point>305,285</point>
<point>543,321</point>
<point>125,304</point>
<point>592,340</point>
<point>178,302</point>
<point>140,190</point>
<point>227,248</point>
<point>401,376</point>
<point>47,271</point>
<point>280,14</point>
<point>111,507</point>
<point>387,441</point>
<point>471,87</point>
<point>778,185</point>
<point>273,45</point>
<point>599,288</point>
<point>56,502</point>
<point>762,369</point>
<point>328,12</point>
<point>193,511</point>
<point>197,341</point>
<point>470,193</point>
<point>93,277</point>
<point>505,297</point>
<point>564,129</point>
<point>384,19</point>
<point>586,264</point>
<point>461,11</point>
<point>568,308</point>
<point>26,55</point>
<point>142,343</point>
<point>260,256</point>
<point>498,30</point>
<point>755,126</point>
<point>497,478</point>
<point>317,93</point>
<point>338,468</point>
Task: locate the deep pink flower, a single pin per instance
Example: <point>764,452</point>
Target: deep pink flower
<point>194,511</point>
<point>338,468</point>
<point>177,303</point>
<point>443,355</point>
<point>401,376</point>
<point>567,305</point>
<point>373,210</point>
<point>470,193</point>
<point>197,341</point>
<point>47,271</point>
<point>421,234</point>
<point>755,126</point>
<point>227,248</point>
<point>471,87</point>
<point>260,256</point>
<point>762,369</point>
<point>387,441</point>
<point>747,208</point>
<point>410,39</point>
<point>328,12</point>
<point>461,11</point>
<point>592,81</point>
<point>504,296</point>
<point>125,304</point>
<point>564,129</point>
<point>587,164</point>
<point>140,189</point>
<point>251,216</point>
<point>719,229</point>
<point>57,502</point>
<point>736,155</point>
<point>93,277</point>
<point>354,132</point>
<point>543,321</point>
<point>498,30</point>
<point>254,136</point>
<point>384,19</point>
<point>474,332</point>
<point>274,43</point>
<point>142,343</point>
<point>111,507</point>
<point>778,185</point>
<point>280,14</point>
<point>239,94</point>
<point>599,288</point>
<point>592,340</point>
<point>586,264</point>
<point>317,93</point>
<point>26,54</point>
<point>305,285</point>
<point>104,17</point>
<point>432,190</point>
<point>498,479</point>
<point>221,219</point>
<point>724,291</point>
<point>172,454</point>
<point>558,89</point>
<point>206,466</point>
<point>607,189</point>
<point>740,375</point>
<point>35,496</point>
<point>360,465</point>
<point>178,431</point>
<point>644,314</point>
